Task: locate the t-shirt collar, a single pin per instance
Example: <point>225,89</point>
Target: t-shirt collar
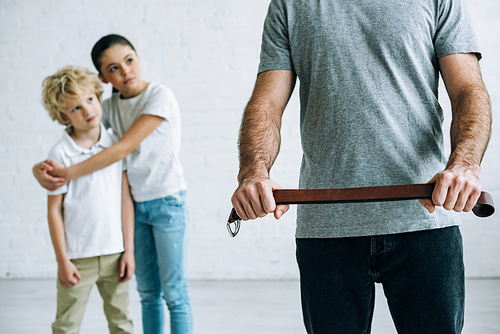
<point>72,149</point>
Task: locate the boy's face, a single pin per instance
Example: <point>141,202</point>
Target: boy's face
<point>84,111</point>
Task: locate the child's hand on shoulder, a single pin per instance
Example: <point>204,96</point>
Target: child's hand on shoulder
<point>58,169</point>
<point>42,171</point>
<point>68,274</point>
<point>127,265</point>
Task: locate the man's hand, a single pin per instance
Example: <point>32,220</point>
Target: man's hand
<point>457,188</point>
<point>254,198</point>
<point>127,266</point>
<point>68,274</point>
<point>43,173</point>
<point>259,144</point>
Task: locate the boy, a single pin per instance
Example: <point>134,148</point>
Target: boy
<point>91,219</point>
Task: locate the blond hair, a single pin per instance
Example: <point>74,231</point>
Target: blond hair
<point>68,82</point>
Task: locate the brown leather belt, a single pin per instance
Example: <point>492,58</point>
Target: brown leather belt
<point>483,208</point>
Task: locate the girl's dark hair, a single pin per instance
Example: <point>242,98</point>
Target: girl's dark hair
<point>105,43</point>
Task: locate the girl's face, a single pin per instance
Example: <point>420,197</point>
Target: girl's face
<point>121,66</point>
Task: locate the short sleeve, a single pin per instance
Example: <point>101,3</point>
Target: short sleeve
<point>56,154</point>
<point>275,50</point>
<point>106,111</point>
<point>455,31</point>
<point>162,103</point>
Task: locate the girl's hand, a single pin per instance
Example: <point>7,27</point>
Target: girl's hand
<point>57,169</point>
<point>41,172</point>
<point>68,274</point>
<point>127,266</point>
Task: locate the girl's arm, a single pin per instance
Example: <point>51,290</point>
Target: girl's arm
<point>127,262</point>
<point>41,172</point>
<point>142,128</point>
<point>66,271</point>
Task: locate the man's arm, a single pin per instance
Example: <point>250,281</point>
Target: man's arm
<point>458,187</point>
<point>127,262</point>
<point>259,144</point>
<point>67,273</point>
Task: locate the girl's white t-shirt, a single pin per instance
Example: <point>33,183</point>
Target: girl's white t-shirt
<point>154,169</point>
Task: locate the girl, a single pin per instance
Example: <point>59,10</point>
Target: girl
<point>147,119</point>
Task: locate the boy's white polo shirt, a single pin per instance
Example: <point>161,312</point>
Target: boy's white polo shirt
<point>92,203</point>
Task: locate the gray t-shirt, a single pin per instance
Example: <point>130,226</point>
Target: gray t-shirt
<point>370,114</point>
<point>154,169</point>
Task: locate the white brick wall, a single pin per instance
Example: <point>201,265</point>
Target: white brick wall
<point>207,52</point>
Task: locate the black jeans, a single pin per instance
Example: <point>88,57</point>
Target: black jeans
<point>422,274</point>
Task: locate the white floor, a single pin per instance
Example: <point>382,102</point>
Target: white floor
<point>224,307</point>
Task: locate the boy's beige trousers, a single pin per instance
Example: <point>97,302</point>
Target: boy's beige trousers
<point>71,302</point>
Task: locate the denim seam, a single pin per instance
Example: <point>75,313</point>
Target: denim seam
<point>369,317</point>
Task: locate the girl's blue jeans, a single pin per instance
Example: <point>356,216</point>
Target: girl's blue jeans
<point>160,243</point>
<point>422,274</point>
